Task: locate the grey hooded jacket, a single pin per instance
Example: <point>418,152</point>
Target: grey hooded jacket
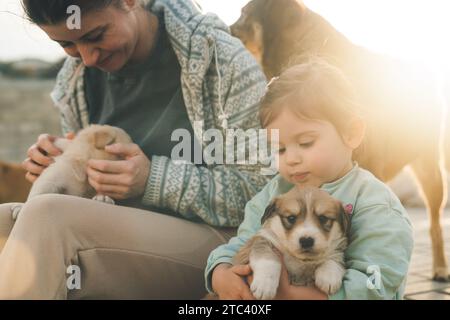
<point>222,85</point>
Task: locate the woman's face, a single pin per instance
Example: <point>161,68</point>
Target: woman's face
<point>107,40</point>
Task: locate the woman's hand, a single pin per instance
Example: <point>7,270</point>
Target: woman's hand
<point>121,179</point>
<point>40,155</point>
<point>228,284</point>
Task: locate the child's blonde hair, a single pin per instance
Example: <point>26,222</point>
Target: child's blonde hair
<point>314,90</point>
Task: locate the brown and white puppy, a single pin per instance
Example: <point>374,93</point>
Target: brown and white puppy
<point>309,228</point>
<point>13,185</point>
<point>400,101</point>
<point>67,175</point>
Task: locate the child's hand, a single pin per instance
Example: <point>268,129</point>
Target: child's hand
<point>228,284</point>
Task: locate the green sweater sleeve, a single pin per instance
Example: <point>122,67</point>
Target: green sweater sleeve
<point>251,224</point>
<point>378,255</point>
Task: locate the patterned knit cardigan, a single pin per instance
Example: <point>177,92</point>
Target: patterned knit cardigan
<point>222,85</point>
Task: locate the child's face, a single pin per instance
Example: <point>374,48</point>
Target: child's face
<point>311,152</point>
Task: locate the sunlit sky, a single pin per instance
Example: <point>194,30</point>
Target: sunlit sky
<point>411,29</point>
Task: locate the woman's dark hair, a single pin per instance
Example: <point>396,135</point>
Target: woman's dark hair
<point>48,12</point>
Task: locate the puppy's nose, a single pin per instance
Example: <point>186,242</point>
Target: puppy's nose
<point>306,242</point>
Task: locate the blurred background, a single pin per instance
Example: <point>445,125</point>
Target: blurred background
<point>409,29</point>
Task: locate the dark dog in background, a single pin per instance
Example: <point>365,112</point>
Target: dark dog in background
<point>13,185</point>
<point>405,114</point>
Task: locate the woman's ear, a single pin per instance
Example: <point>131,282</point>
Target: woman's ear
<point>355,132</point>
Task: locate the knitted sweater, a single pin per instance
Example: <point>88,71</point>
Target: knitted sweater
<point>222,85</point>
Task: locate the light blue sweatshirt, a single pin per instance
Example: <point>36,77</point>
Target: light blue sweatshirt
<point>380,238</point>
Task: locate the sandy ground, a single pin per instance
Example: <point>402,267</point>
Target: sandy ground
<point>26,110</point>
<point>419,285</point>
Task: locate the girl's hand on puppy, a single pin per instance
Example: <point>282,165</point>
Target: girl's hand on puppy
<point>228,282</point>
<point>40,155</point>
<point>121,179</point>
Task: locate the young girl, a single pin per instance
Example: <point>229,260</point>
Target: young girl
<point>313,107</point>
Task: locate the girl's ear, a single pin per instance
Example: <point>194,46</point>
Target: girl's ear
<point>355,132</point>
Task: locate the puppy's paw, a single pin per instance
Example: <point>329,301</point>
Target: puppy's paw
<point>15,210</point>
<point>264,287</point>
<point>329,277</point>
<point>104,199</point>
<point>266,278</point>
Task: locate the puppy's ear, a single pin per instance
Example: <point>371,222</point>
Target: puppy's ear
<point>344,220</point>
<point>104,138</point>
<point>270,210</point>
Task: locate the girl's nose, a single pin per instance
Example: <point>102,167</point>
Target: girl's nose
<point>293,156</point>
<point>88,54</point>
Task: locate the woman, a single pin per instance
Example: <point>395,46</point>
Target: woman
<point>149,67</point>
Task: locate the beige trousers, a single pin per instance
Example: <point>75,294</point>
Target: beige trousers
<point>115,252</point>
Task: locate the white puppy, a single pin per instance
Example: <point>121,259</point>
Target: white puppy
<point>67,175</point>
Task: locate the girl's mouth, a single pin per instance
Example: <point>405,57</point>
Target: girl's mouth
<point>300,176</point>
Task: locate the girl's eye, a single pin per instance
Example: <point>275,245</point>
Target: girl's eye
<point>281,150</point>
<point>291,219</point>
<point>306,144</point>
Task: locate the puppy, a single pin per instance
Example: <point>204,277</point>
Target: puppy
<point>309,228</point>
<point>67,175</point>
<point>13,185</point>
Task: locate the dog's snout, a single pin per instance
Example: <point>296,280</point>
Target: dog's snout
<point>306,242</point>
